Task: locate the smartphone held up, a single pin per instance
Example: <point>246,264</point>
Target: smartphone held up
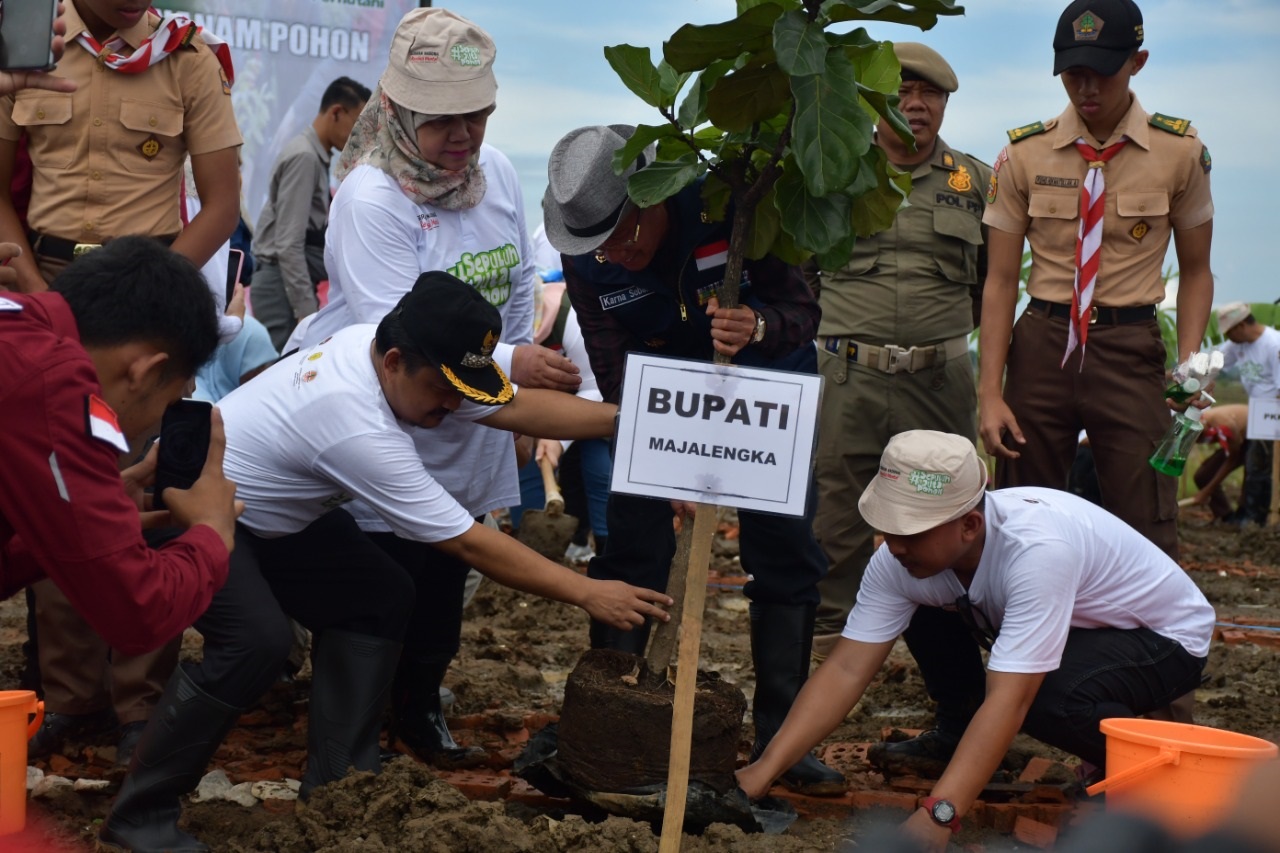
<point>184,445</point>
<point>26,34</point>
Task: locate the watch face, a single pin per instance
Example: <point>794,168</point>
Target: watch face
<point>943,812</point>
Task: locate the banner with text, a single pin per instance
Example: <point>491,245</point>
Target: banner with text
<point>718,434</point>
<point>286,53</point>
<point>1264,418</point>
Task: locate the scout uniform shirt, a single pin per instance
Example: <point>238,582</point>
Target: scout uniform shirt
<point>912,283</point>
<point>108,157</point>
<point>1156,184</point>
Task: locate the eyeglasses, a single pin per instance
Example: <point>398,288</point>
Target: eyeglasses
<point>609,245</point>
<point>984,633</point>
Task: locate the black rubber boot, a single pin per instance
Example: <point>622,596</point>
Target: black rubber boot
<point>781,639</point>
<point>183,733</point>
<point>417,717</point>
<point>350,684</point>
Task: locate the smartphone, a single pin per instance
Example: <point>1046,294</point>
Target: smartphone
<point>235,267</point>
<point>26,33</point>
<point>184,444</point>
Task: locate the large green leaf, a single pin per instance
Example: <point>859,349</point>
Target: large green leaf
<point>747,96</point>
<point>831,131</point>
<point>886,106</point>
<point>715,198</point>
<point>672,82</point>
<point>693,111</point>
<point>785,249</point>
<point>800,44</point>
<point>818,223</point>
<point>765,225</point>
<point>645,135</point>
<point>693,48</point>
<point>874,211</point>
<point>637,72</point>
<point>659,181</point>
<point>919,13</point>
<point>838,255</point>
<point>877,66</point>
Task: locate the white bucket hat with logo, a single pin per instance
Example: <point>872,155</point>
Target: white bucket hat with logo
<point>441,64</point>
<point>926,479</point>
<point>1231,315</point>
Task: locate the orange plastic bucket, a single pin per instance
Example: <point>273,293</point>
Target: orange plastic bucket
<point>15,730</point>
<point>1184,777</point>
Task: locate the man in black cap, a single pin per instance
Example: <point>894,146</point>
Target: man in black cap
<point>1087,353</point>
<point>893,342</point>
<point>330,424</point>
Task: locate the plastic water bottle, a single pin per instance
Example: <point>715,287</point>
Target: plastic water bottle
<point>1181,392</point>
<point>1171,453</point>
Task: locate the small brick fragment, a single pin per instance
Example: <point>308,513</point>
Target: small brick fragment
<point>1035,769</point>
<point>1034,832</point>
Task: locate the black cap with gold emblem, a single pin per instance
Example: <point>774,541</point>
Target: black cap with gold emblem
<point>457,330</point>
<point>1097,34</point>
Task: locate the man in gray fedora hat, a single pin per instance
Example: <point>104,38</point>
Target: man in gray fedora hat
<point>647,280</point>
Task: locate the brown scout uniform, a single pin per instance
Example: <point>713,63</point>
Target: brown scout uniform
<point>1156,185</point>
<point>108,157</point>
<point>911,286</point>
<point>107,162</point>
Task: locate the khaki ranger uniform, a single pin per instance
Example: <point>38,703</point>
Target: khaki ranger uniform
<point>107,163</point>
<point>893,345</point>
<point>108,157</point>
<point>1157,184</point>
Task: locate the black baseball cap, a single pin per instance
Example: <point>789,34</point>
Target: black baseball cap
<point>1097,34</point>
<point>457,330</point>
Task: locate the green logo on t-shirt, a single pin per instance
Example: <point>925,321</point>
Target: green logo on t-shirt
<point>489,272</point>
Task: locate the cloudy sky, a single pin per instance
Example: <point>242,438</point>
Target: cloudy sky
<point>1214,63</point>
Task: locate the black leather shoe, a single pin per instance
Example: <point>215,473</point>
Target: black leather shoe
<point>59,729</point>
<point>926,755</point>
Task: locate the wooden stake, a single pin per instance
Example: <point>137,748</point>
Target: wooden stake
<point>1274,515</point>
<point>695,596</point>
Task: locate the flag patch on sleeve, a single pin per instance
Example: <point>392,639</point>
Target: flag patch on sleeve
<point>102,423</point>
<point>711,255</point>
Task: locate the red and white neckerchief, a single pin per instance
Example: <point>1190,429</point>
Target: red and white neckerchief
<point>174,31</point>
<point>1093,199</point>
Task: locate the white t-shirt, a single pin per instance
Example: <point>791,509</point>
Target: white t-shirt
<point>314,432</point>
<point>1259,363</point>
<point>1051,562</point>
<point>379,242</point>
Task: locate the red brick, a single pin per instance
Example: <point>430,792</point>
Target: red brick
<point>1233,638</point>
<point>59,765</point>
<point>885,799</point>
<point>1002,816</point>
<point>522,792</point>
<point>278,806</point>
<point>834,808</point>
<point>262,774</point>
<point>539,720</point>
<point>1033,832</point>
<point>1035,769</point>
<point>477,785</point>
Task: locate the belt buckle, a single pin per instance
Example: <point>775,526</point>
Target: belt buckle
<point>1093,315</point>
<point>898,359</point>
<point>84,249</point>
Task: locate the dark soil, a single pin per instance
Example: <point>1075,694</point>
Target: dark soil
<point>517,654</point>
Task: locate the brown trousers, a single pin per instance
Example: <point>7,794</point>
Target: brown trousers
<point>1117,398</point>
<point>81,674</point>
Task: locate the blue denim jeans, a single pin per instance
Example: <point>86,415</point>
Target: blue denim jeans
<point>1105,672</point>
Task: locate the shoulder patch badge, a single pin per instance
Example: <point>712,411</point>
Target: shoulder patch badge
<point>1205,160</point>
<point>948,160</point>
<point>1020,133</point>
<point>1170,124</point>
<point>9,305</point>
<point>101,423</point>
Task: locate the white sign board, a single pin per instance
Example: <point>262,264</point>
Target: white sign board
<point>719,434</point>
<point>1264,418</point>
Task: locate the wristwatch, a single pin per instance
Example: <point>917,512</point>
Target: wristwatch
<point>758,335</point>
<point>943,812</point>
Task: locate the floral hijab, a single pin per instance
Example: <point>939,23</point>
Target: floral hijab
<point>380,138</point>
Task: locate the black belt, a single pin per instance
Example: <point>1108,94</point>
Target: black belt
<point>61,249</point>
<point>315,237</point>
<point>1098,315</point>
